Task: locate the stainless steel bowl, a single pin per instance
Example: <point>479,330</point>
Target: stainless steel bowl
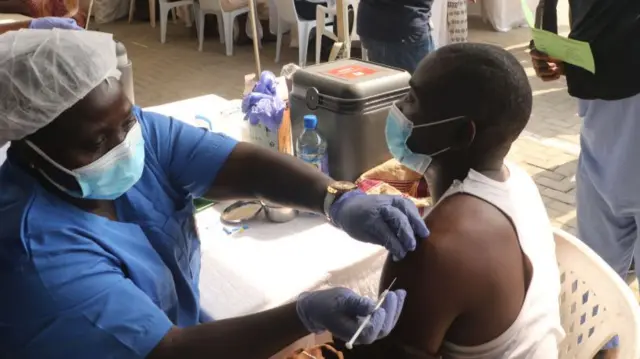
<point>241,211</point>
<point>279,214</point>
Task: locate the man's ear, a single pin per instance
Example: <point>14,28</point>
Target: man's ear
<point>465,135</point>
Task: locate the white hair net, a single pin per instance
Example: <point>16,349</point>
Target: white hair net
<point>44,72</point>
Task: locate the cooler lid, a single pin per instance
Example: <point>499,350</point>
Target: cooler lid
<point>350,79</point>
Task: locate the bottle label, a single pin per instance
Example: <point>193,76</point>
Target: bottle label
<point>318,161</point>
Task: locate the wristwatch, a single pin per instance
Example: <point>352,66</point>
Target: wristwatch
<point>334,191</point>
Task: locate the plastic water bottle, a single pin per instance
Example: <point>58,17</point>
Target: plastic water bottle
<point>311,147</point>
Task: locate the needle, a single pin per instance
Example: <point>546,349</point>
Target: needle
<point>366,320</point>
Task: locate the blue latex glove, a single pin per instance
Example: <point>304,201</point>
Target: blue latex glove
<point>389,221</point>
<point>340,311</point>
<point>263,105</point>
<point>46,23</point>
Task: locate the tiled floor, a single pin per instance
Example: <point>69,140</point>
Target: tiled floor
<point>176,70</point>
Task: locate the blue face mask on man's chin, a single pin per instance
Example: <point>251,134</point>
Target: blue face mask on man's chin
<point>398,130</point>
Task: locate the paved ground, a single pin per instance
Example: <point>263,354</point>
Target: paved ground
<point>176,70</point>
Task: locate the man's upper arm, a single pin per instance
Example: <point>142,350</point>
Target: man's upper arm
<point>70,299</point>
<point>439,277</point>
<point>190,156</point>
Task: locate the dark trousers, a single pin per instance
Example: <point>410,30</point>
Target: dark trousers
<point>404,55</point>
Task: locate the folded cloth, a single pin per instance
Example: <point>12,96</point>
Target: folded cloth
<point>392,177</point>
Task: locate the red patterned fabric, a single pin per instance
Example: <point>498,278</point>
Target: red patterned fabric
<point>60,8</point>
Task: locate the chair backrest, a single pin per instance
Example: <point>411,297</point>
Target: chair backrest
<point>3,153</point>
<point>287,11</point>
<point>595,303</point>
<point>211,5</point>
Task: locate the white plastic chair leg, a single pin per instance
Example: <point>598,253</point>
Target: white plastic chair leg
<point>132,8</point>
<point>304,32</point>
<point>164,18</point>
<point>187,12</point>
<point>220,27</point>
<point>174,16</point>
<point>320,14</point>
<point>227,21</point>
<point>152,12</point>
<point>200,27</point>
<point>279,39</point>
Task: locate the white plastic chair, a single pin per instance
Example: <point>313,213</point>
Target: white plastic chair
<point>225,22</point>
<point>323,12</point>
<point>595,303</point>
<point>152,12</point>
<point>287,15</point>
<point>341,40</point>
<point>165,7</point>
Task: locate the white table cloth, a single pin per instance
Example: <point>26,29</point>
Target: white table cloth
<point>269,264</point>
<point>11,18</point>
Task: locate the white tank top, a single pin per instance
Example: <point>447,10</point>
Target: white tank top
<point>537,331</point>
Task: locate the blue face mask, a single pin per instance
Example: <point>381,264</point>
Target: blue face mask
<point>398,130</point>
<point>110,176</point>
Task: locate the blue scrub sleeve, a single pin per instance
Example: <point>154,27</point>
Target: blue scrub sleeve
<point>71,299</point>
<point>190,156</point>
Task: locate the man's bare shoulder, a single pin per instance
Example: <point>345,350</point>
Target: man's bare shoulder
<point>461,221</point>
<point>465,231</point>
<point>451,270</point>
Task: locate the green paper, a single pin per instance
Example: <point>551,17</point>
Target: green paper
<point>201,204</point>
<point>571,51</point>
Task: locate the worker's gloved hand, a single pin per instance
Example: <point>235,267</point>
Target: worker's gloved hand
<point>390,221</point>
<point>340,311</point>
<point>45,23</point>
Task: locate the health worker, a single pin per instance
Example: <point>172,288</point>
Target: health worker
<point>99,252</point>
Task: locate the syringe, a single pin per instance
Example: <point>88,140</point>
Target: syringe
<point>366,320</point>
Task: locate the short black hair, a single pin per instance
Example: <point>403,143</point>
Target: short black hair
<point>482,82</point>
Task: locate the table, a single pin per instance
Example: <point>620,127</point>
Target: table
<point>270,264</point>
<point>11,18</point>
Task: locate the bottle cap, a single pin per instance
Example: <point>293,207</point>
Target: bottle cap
<point>310,122</point>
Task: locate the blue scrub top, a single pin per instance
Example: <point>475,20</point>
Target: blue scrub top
<point>77,285</point>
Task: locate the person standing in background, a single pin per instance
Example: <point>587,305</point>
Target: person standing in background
<point>395,32</point>
<point>608,191</point>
